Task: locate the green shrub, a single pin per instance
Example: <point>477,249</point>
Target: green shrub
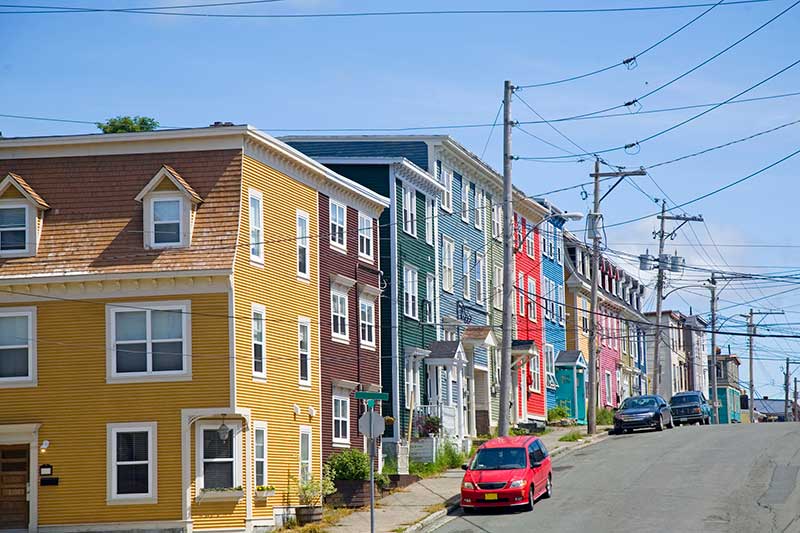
<point>390,465</point>
<point>349,464</point>
<point>605,417</point>
<point>572,436</point>
<point>516,432</point>
<point>558,412</point>
<point>449,456</point>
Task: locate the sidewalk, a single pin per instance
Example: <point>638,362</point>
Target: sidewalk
<point>407,508</point>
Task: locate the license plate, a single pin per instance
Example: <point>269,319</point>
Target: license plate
<point>683,419</point>
<point>490,496</point>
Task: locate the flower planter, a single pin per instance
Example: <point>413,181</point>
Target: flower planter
<point>353,493</point>
<point>264,494</point>
<point>305,514</point>
<point>219,495</point>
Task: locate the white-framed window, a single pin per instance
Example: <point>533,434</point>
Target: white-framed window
<point>446,179</point>
<point>447,264</point>
<point>367,321</point>
<point>498,286</point>
<point>532,299</point>
<point>14,228</point>
<point>550,360</point>
<point>497,221</point>
<point>149,340</point>
<point>260,453</point>
<point>551,240</point>
<point>218,457</point>
<point>536,374</point>
<point>430,214</point>
<point>561,310</point>
<point>521,293</point>
<point>430,297</point>
<point>412,385</point>
<point>365,237</point>
<point>410,292</point>
<point>338,223</point>
<point>465,200</point>
<point>339,326</point>
<point>409,210</point>
<point>559,247</point>
<point>466,279</point>
<point>305,453</point>
<point>17,346</point>
<point>303,268</point>
<point>585,315</point>
<point>341,420</point>
<point>543,239</point>
<point>546,296</point>
<point>480,208</point>
<point>131,452</point>
<point>529,237</point>
<point>480,279</point>
<point>608,387</point>
<point>259,354</point>
<point>256,226</point>
<point>304,350</point>
<point>167,220</point>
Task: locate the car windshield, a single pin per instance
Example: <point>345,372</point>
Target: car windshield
<point>499,459</point>
<point>684,399</point>
<point>638,403</point>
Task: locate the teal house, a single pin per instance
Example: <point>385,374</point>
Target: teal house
<point>728,390</point>
<point>571,378</point>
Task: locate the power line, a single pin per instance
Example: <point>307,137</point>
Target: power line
<point>494,124</point>
<point>630,62</point>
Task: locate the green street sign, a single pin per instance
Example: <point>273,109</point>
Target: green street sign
<point>370,404</point>
<point>367,395</point>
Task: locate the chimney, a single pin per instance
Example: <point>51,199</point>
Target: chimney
<point>765,397</point>
<point>218,124</point>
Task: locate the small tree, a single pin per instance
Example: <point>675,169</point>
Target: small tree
<point>127,124</point>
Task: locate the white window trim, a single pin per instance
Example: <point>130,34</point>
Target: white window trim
<point>30,228</point>
<point>559,247</point>
<point>530,246</point>
<point>334,335</point>
<point>236,426</point>
<point>31,379</point>
<point>430,214</point>
<point>480,284</point>
<point>550,370</point>
<point>112,498</point>
<point>183,220</point>
<point>447,194</point>
<point>536,377</point>
<point>411,208</point>
<point>304,216</point>
<point>303,321</point>
<point>466,274</point>
<point>520,294</point>
<point>333,243</point>
<point>307,431</point>
<point>497,296</point>
<point>371,303</point>
<point>480,205</point>
<point>430,295</point>
<point>414,314</point>
<point>257,258</point>
<point>448,262</point>
<point>259,425</point>
<point>365,222</point>
<point>258,308</point>
<point>532,311</point>
<point>465,188</point>
<point>112,376</point>
<point>608,387</point>
<point>339,440</point>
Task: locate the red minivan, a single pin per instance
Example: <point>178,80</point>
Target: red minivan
<point>507,471</point>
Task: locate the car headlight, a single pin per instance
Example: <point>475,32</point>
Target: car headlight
<point>517,483</point>
<point>469,486</point>
<point>696,410</point>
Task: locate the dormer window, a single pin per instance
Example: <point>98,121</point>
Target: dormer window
<point>21,215</point>
<point>169,206</point>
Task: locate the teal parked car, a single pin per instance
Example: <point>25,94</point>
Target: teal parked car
<point>690,407</point>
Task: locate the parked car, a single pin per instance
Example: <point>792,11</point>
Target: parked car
<point>505,472</point>
<point>690,407</point>
<point>648,411</point>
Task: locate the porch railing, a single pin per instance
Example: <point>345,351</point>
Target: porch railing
<point>445,413</point>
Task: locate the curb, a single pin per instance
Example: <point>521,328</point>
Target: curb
<point>600,437</point>
<point>428,520</point>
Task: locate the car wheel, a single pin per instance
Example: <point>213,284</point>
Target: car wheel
<point>529,505</point>
<point>629,431</point>
<point>548,491</point>
<point>659,425</point>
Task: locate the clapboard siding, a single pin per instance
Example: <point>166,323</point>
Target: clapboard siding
<point>415,151</point>
<point>554,332</point>
<point>494,257</point>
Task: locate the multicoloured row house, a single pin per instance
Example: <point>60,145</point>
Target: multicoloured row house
<point>186,316</point>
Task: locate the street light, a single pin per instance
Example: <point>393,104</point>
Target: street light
<point>569,215</point>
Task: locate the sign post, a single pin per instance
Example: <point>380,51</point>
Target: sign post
<point>371,425</point>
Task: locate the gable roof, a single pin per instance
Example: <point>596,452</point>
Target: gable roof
<point>570,358</point>
<point>171,174</point>
<point>23,187</point>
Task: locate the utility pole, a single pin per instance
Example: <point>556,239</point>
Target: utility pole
<point>714,399</point>
<point>503,425</point>
<point>786,394</point>
<point>595,219</point>
<point>794,405</point>
<point>659,298</point>
<point>751,329</point>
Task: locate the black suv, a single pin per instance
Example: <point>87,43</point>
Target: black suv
<point>689,408</point>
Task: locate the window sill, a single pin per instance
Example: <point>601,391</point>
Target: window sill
<point>447,209</point>
<point>144,500</point>
<point>260,379</point>
<point>110,380</point>
<point>341,444</point>
<point>304,386</point>
<point>342,249</point>
<point>370,347</point>
<point>219,495</point>
<point>414,318</point>
<point>256,262</point>
<point>414,235</point>
<point>366,259</point>
<point>341,340</point>
<point>305,278</point>
<point>12,383</point>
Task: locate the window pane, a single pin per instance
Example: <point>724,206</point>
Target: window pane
<point>305,447</point>
<point>132,479</point>
<point>259,444</point>
<point>166,210</point>
<point>131,326</point>
<point>132,446</point>
<point>216,448</point>
<point>258,358</point>
<point>258,327</point>
<point>14,363</point>
<point>218,475</point>
<point>132,357</point>
<point>304,338</point>
<point>304,367</point>
<point>12,217</point>
<point>167,324</point>
<point>12,240</point>
<point>165,233</point>
<point>13,330</point>
<point>167,356</point>
<point>259,473</point>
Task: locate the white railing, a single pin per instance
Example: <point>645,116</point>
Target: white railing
<point>445,413</point>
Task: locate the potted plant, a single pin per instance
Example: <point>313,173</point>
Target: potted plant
<point>350,473</point>
<point>311,493</point>
<point>264,491</point>
<point>430,426</point>
<point>220,493</point>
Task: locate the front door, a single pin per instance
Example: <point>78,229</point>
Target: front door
<point>14,487</point>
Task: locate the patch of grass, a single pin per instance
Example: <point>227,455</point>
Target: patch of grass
<point>544,431</point>
<point>447,458</point>
<point>330,516</point>
<point>572,436</point>
<point>433,508</point>
<point>557,413</point>
<point>390,465</point>
<point>605,417</point>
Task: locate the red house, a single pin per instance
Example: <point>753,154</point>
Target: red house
<point>349,285</point>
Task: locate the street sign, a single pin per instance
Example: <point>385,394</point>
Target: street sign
<point>371,424</point>
<point>367,395</point>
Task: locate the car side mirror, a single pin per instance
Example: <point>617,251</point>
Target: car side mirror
<point>465,466</point>
<point>614,409</point>
<point>536,465</point>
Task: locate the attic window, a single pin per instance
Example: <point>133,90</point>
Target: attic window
<point>13,229</point>
<point>21,215</point>
<point>169,207</point>
<point>166,221</point>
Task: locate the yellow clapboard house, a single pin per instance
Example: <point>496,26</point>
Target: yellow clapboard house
<point>159,329</point>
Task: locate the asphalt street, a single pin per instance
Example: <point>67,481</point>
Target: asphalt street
<point>732,478</point>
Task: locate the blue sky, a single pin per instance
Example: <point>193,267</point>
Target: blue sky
<point>439,70</point>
